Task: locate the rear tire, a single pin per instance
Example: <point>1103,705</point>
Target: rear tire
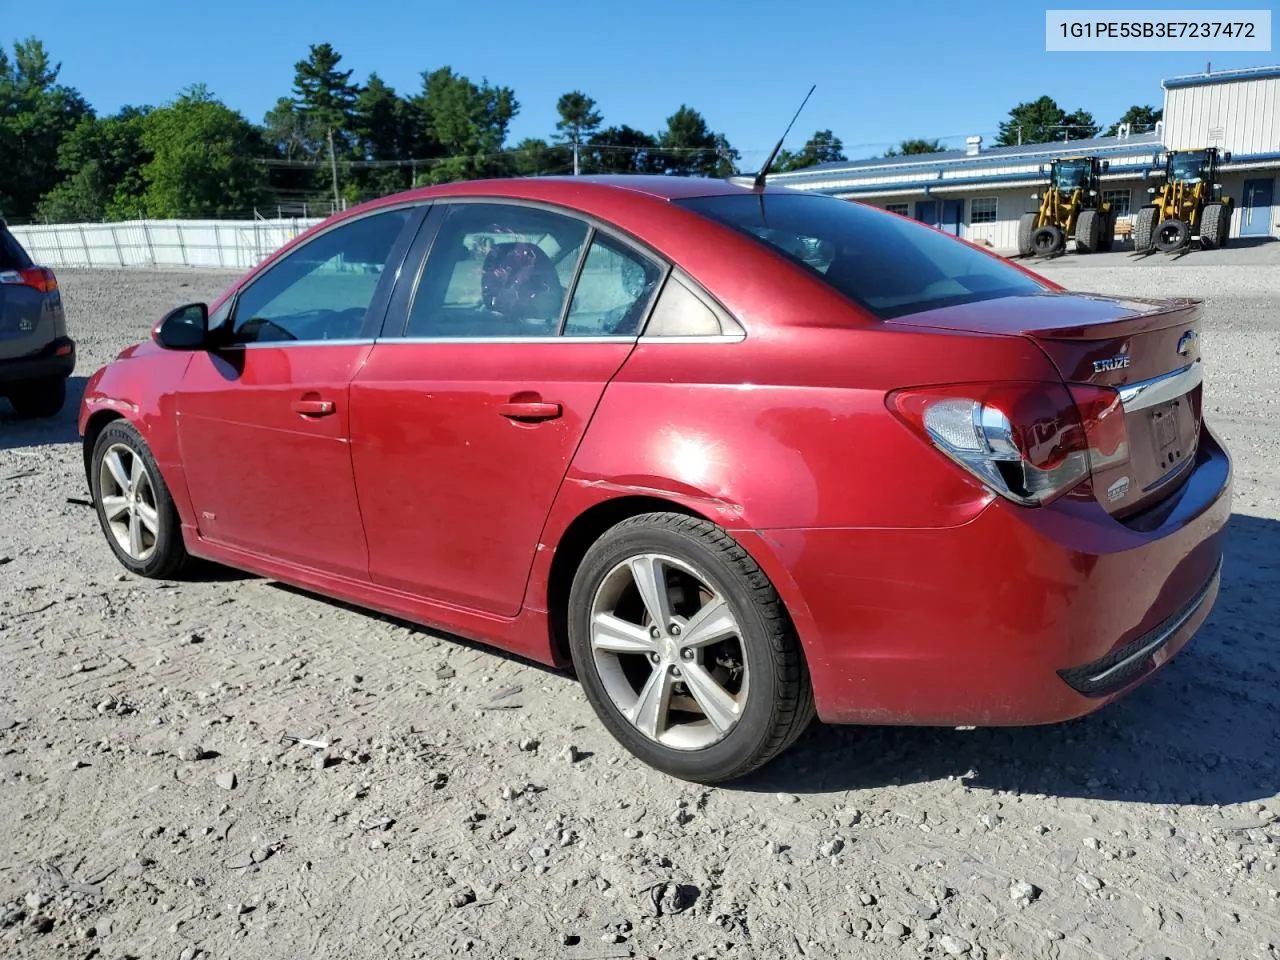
<point>1144,228</point>
<point>1026,227</point>
<point>134,507</point>
<point>40,398</point>
<point>1088,231</point>
<point>1172,236</point>
<point>761,709</point>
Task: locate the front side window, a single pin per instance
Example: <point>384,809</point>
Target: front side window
<point>888,266</point>
<point>1188,167</point>
<point>614,288</point>
<point>1069,175</point>
<point>497,270</point>
<point>323,289</point>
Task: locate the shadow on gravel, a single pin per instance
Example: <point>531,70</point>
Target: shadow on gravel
<point>1204,730</point>
<point>16,433</point>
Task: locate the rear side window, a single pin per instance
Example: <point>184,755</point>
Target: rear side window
<point>887,265</point>
<point>12,256</point>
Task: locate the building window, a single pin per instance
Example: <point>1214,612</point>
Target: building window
<point>899,208</point>
<point>982,210</point>
<point>1119,200</point>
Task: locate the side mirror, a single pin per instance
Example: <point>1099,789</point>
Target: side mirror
<point>1093,193</point>
<point>184,328</point>
<point>1106,165</point>
<point>1151,189</point>
<point>1035,196</point>
<point>1226,157</point>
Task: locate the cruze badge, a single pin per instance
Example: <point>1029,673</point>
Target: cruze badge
<point>1186,342</point>
<point>1111,363</point>
<point>25,325</point>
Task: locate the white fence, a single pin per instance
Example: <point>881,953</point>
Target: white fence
<point>234,244</point>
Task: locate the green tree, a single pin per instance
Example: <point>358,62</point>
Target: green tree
<point>102,160</point>
<point>690,148</point>
<point>36,115</point>
<point>579,119</point>
<point>1043,121</point>
<point>623,149</point>
<point>203,159</point>
<point>823,147</point>
<point>534,157</point>
<point>914,147</point>
<point>387,129</point>
<point>325,99</point>
<point>469,123</point>
<point>1141,119</point>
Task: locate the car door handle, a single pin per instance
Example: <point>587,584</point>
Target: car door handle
<point>530,411</point>
<point>313,408</point>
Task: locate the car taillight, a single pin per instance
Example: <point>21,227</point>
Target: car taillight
<point>1028,442</point>
<point>40,278</point>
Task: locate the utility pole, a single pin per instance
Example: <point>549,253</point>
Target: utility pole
<point>333,165</point>
<point>575,153</point>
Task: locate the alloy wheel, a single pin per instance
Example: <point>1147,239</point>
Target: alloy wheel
<point>128,498</point>
<point>668,650</point>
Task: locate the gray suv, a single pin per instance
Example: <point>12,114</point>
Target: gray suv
<point>36,355</point>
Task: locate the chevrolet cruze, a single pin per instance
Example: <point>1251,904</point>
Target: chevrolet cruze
<point>740,455</point>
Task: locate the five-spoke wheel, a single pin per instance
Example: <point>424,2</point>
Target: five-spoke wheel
<point>133,504</point>
<point>685,649</point>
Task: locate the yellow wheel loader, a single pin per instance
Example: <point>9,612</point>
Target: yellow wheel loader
<point>1071,207</point>
<point>1186,206</point>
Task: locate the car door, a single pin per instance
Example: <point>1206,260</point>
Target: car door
<point>467,413</point>
<point>263,421</point>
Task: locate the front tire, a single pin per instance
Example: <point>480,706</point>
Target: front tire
<point>135,509</point>
<point>1144,229</point>
<point>718,689</point>
<point>1088,231</point>
<point>1026,227</point>
<point>39,399</point>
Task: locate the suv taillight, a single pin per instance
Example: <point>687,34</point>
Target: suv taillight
<point>40,278</point>
<point>1028,442</point>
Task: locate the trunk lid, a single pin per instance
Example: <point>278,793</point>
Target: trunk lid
<point>1148,349</point>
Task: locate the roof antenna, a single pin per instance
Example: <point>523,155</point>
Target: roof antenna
<point>764,171</point>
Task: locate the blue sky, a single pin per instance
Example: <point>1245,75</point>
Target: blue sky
<point>884,71</point>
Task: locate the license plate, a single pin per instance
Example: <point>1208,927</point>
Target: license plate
<point>1164,423</point>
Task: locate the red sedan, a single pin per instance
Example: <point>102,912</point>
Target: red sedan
<point>739,455</point>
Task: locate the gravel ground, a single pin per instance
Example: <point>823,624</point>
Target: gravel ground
<point>466,803</point>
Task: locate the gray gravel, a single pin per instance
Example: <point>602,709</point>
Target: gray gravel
<point>430,827</point>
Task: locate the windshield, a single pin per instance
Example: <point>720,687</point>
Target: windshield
<point>1187,166</point>
<point>886,264</point>
<point>1071,174</point>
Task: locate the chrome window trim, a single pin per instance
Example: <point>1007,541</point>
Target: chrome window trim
<point>292,344</point>
<point>720,338</point>
<point>1161,389</point>
<point>504,340</point>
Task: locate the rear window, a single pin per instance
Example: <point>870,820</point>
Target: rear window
<point>886,264</point>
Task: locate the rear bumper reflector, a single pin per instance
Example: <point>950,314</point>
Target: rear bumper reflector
<point>1122,665</point>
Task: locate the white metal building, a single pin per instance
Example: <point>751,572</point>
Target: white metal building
<point>980,193</point>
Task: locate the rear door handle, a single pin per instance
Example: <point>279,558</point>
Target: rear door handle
<point>530,411</point>
<point>313,408</point>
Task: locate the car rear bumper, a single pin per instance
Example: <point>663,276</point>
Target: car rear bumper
<point>1015,617</point>
<point>58,359</point>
